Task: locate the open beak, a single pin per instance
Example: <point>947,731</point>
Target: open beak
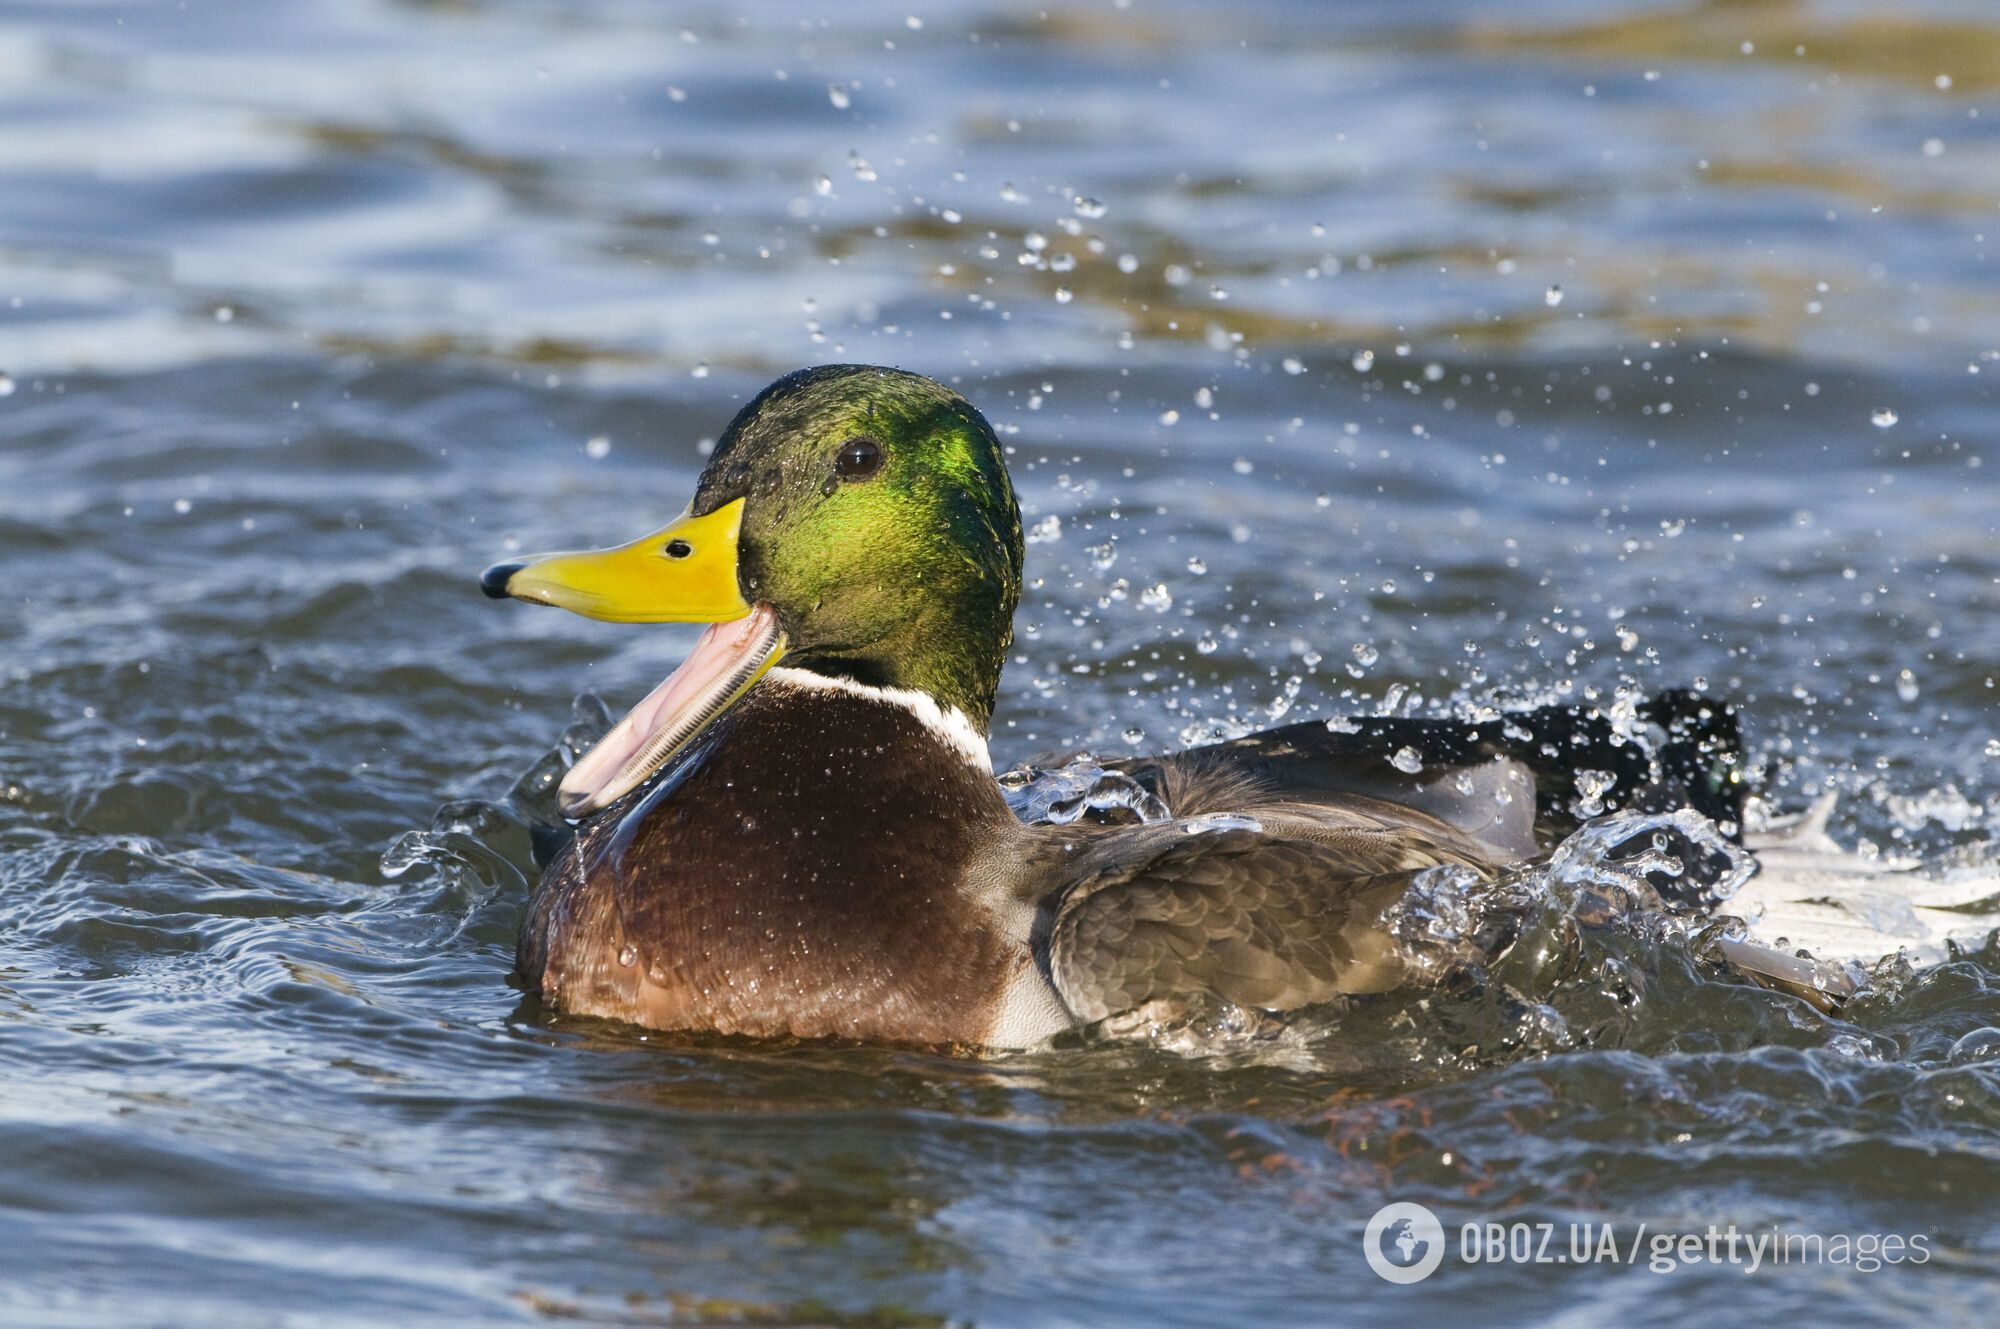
<point>685,573</point>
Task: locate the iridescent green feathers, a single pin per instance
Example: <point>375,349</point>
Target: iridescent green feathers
<point>903,577</point>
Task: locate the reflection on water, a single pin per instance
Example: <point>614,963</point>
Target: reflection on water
<point>528,182</point>
<point>1354,358</point>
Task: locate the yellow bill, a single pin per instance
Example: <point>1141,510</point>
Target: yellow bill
<point>685,573</point>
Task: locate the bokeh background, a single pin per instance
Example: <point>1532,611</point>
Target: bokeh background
<point>1355,356</point>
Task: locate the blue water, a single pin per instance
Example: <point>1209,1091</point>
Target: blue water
<point>1352,356</point>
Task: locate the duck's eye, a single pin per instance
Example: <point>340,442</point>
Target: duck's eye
<point>677,549</point>
<point>859,459</point>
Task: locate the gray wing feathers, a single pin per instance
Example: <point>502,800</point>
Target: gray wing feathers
<point>1257,920</point>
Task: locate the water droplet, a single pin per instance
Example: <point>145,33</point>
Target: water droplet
<point>1090,207</point>
<point>1200,569</point>
<point>224,314</point>
<point>837,94</point>
<point>1979,1045</point>
<point>598,448</point>
<point>1407,760</point>
<point>1553,296</point>
<point>1206,645</point>
<point>1294,365</point>
<point>628,955</point>
<point>823,186</point>
<point>1220,821</point>
<point>1364,361</point>
<point>1170,417</point>
<point>1128,263</point>
<point>1906,685</point>
<point>1591,787</point>
<point>1365,654</point>
<point>183,506</point>
<point>1157,598</point>
<point>1045,531</point>
<point>1884,418</point>
<point>6,386</point>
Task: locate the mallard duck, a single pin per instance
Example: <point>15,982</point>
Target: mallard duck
<point>799,833</point>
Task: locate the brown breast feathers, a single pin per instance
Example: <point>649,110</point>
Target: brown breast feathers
<point>800,873</point>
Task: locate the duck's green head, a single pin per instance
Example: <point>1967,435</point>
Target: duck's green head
<point>854,521</point>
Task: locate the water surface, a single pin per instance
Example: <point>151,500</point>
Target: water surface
<point>1353,356</point>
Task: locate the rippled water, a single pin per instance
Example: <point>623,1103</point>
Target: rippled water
<point>1353,356</point>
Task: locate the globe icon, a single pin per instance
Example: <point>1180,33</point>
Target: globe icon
<point>1409,1246</point>
<point>1403,1242</point>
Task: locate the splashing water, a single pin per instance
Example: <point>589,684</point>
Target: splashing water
<point>1612,941</point>
<point>1461,919</point>
<point>1079,789</point>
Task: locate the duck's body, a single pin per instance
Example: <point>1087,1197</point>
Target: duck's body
<point>820,849</point>
<point>837,861</point>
